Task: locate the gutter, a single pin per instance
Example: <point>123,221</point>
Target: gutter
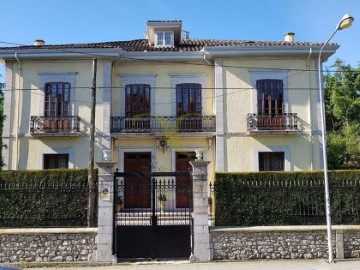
<point>18,113</point>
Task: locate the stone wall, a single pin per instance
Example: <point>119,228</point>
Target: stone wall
<point>47,245</point>
<point>285,242</point>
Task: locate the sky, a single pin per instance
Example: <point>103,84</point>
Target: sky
<point>86,21</point>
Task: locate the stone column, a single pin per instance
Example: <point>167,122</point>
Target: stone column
<point>105,212</point>
<point>201,237</point>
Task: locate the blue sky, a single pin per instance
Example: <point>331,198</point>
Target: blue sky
<point>78,21</point>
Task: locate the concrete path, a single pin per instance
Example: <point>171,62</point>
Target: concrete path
<point>243,265</point>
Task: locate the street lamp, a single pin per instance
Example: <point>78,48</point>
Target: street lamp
<point>345,22</point>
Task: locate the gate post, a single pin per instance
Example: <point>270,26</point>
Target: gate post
<point>105,212</point>
<point>201,237</point>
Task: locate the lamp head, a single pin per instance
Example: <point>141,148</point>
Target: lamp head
<point>346,22</point>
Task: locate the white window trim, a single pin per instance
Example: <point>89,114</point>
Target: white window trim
<point>163,43</point>
<point>137,79</point>
<point>68,151</point>
<point>67,77</point>
<point>188,78</point>
<point>122,151</point>
<point>285,149</point>
<point>261,74</point>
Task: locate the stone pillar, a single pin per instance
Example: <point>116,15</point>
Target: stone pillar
<point>105,212</point>
<point>201,236</point>
<point>340,244</point>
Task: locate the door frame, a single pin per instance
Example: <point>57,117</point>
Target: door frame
<point>184,149</point>
<point>121,159</point>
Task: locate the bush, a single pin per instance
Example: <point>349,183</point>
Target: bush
<point>285,198</point>
<point>46,198</point>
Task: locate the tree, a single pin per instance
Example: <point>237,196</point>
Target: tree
<point>342,97</point>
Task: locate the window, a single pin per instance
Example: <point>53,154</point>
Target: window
<point>271,161</point>
<point>164,39</point>
<point>56,161</point>
<point>137,99</point>
<point>270,97</point>
<point>57,99</point>
<point>188,98</point>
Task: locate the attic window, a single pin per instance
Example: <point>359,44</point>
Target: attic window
<point>164,39</point>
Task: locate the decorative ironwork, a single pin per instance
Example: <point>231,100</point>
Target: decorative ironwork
<point>54,126</point>
<point>163,124</point>
<point>272,122</point>
<point>153,216</point>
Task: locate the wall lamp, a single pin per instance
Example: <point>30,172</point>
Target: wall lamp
<point>164,143</point>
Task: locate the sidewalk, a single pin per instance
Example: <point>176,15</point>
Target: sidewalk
<point>243,265</point>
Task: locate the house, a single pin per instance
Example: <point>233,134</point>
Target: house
<point>249,105</point>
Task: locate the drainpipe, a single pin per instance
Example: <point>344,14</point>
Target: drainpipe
<point>309,103</point>
<point>18,113</point>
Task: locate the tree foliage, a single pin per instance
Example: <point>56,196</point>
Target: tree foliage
<point>342,90</point>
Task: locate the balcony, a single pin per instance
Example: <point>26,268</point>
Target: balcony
<point>272,123</point>
<point>163,124</point>
<point>41,126</point>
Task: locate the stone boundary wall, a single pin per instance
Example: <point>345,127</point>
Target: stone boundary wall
<point>48,245</point>
<point>283,242</point>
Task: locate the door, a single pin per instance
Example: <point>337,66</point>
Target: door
<point>137,190</point>
<point>183,183</point>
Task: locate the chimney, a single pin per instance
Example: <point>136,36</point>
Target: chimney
<point>289,37</point>
<point>39,42</point>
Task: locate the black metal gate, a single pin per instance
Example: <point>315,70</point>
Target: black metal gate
<point>154,219</point>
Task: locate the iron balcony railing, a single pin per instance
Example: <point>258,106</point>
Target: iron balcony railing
<point>284,122</point>
<point>163,124</point>
<point>54,126</point>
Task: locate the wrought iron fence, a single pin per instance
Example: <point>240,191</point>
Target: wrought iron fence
<point>44,204</point>
<point>278,202</point>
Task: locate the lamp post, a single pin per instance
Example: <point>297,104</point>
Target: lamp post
<point>345,22</point>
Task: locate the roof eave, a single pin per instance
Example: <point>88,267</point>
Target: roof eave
<point>9,54</point>
<point>219,51</point>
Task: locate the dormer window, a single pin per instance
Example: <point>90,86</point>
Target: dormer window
<point>164,39</point>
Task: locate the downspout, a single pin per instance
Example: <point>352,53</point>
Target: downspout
<point>310,115</point>
<point>18,114</point>
<point>213,138</point>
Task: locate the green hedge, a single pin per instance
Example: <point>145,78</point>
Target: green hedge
<point>285,198</point>
<point>45,198</point>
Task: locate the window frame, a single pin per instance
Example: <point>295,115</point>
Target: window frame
<point>134,101</point>
<point>188,95</point>
<point>270,96</point>
<point>162,42</point>
<point>268,154</point>
<point>53,106</point>
<point>45,161</point>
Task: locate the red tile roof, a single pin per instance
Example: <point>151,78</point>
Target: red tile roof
<point>138,45</point>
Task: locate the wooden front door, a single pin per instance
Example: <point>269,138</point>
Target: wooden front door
<point>183,183</point>
<point>137,189</point>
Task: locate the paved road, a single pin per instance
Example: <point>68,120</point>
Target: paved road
<point>243,265</point>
